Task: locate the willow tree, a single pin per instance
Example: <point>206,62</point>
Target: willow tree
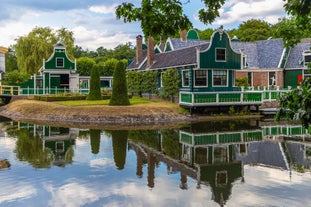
<point>38,45</point>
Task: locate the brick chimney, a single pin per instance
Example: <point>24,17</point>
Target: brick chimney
<point>150,52</point>
<point>139,48</point>
<point>183,35</point>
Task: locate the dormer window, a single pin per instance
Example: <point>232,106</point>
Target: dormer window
<point>220,54</point>
<point>59,62</point>
<point>306,57</point>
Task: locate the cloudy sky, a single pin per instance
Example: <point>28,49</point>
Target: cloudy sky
<point>94,22</point>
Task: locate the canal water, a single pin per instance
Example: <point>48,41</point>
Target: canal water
<point>229,163</point>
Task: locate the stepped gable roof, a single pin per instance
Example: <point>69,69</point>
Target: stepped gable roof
<point>295,57</point>
<point>177,44</point>
<point>181,57</point>
<point>133,65</point>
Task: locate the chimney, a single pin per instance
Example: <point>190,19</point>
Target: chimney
<point>150,52</point>
<point>183,35</point>
<point>139,48</point>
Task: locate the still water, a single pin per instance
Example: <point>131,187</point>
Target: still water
<point>233,163</point>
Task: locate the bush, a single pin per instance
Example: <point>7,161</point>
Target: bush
<point>119,95</point>
<point>95,93</point>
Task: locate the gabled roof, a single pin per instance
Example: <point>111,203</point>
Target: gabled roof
<point>177,58</point>
<point>295,57</point>
<point>134,66</point>
<point>177,44</point>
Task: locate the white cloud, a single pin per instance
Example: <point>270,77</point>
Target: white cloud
<point>239,11</point>
<point>104,9</point>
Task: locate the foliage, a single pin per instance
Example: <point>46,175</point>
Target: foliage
<point>242,82</point>
<point>171,145</point>
<point>253,30</point>
<point>95,140</point>
<point>29,148</point>
<point>15,77</point>
<point>206,34</point>
<point>295,105</point>
<point>38,45</point>
<point>171,83</point>
<point>95,93</point>
<point>119,87</point>
<point>156,17</point>
<point>134,81</point>
<point>84,65</point>
<point>207,16</point>
<point>10,61</point>
<point>119,145</point>
<point>108,67</point>
<point>150,82</point>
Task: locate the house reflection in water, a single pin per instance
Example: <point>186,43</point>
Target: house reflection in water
<point>60,141</point>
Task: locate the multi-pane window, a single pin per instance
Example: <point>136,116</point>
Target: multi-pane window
<point>185,78</point>
<point>200,78</point>
<point>219,78</point>
<point>59,62</point>
<point>220,54</point>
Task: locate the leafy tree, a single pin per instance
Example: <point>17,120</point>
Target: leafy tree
<point>253,30</point>
<point>134,81</point>
<point>84,65</point>
<point>171,83</point>
<point>205,34</point>
<point>119,95</point>
<point>38,45</point>
<point>10,61</point>
<point>150,83</point>
<point>95,93</point>
<point>156,17</point>
<point>15,77</point>
<point>109,66</point>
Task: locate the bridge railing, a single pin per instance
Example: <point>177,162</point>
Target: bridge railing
<point>12,90</point>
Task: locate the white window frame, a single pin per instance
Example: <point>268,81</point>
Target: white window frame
<point>161,82</point>
<point>182,80</point>
<point>213,72</point>
<point>59,58</point>
<point>220,48</point>
<point>194,77</point>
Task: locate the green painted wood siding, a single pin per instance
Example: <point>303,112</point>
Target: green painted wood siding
<point>291,77</point>
<point>208,57</point>
<point>59,53</point>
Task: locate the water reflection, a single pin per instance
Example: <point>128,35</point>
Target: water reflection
<point>213,154</point>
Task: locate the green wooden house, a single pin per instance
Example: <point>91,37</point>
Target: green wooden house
<point>59,74</point>
<point>209,68</point>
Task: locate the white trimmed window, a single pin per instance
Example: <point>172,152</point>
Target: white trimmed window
<point>220,78</point>
<point>272,78</point>
<point>60,62</point>
<point>185,78</point>
<point>200,78</point>
<point>220,54</point>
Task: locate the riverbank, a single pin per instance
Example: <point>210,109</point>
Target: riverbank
<point>148,115</point>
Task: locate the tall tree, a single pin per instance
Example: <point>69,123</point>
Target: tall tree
<point>119,95</point>
<point>38,45</point>
<point>134,80</point>
<point>157,17</point>
<point>150,83</point>
<point>95,93</point>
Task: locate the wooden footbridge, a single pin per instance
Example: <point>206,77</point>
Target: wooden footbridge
<point>6,93</point>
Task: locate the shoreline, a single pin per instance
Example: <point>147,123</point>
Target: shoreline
<point>97,117</point>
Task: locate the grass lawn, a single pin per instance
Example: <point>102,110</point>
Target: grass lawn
<point>134,101</point>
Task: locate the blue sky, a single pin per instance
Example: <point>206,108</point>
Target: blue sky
<point>94,22</point>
